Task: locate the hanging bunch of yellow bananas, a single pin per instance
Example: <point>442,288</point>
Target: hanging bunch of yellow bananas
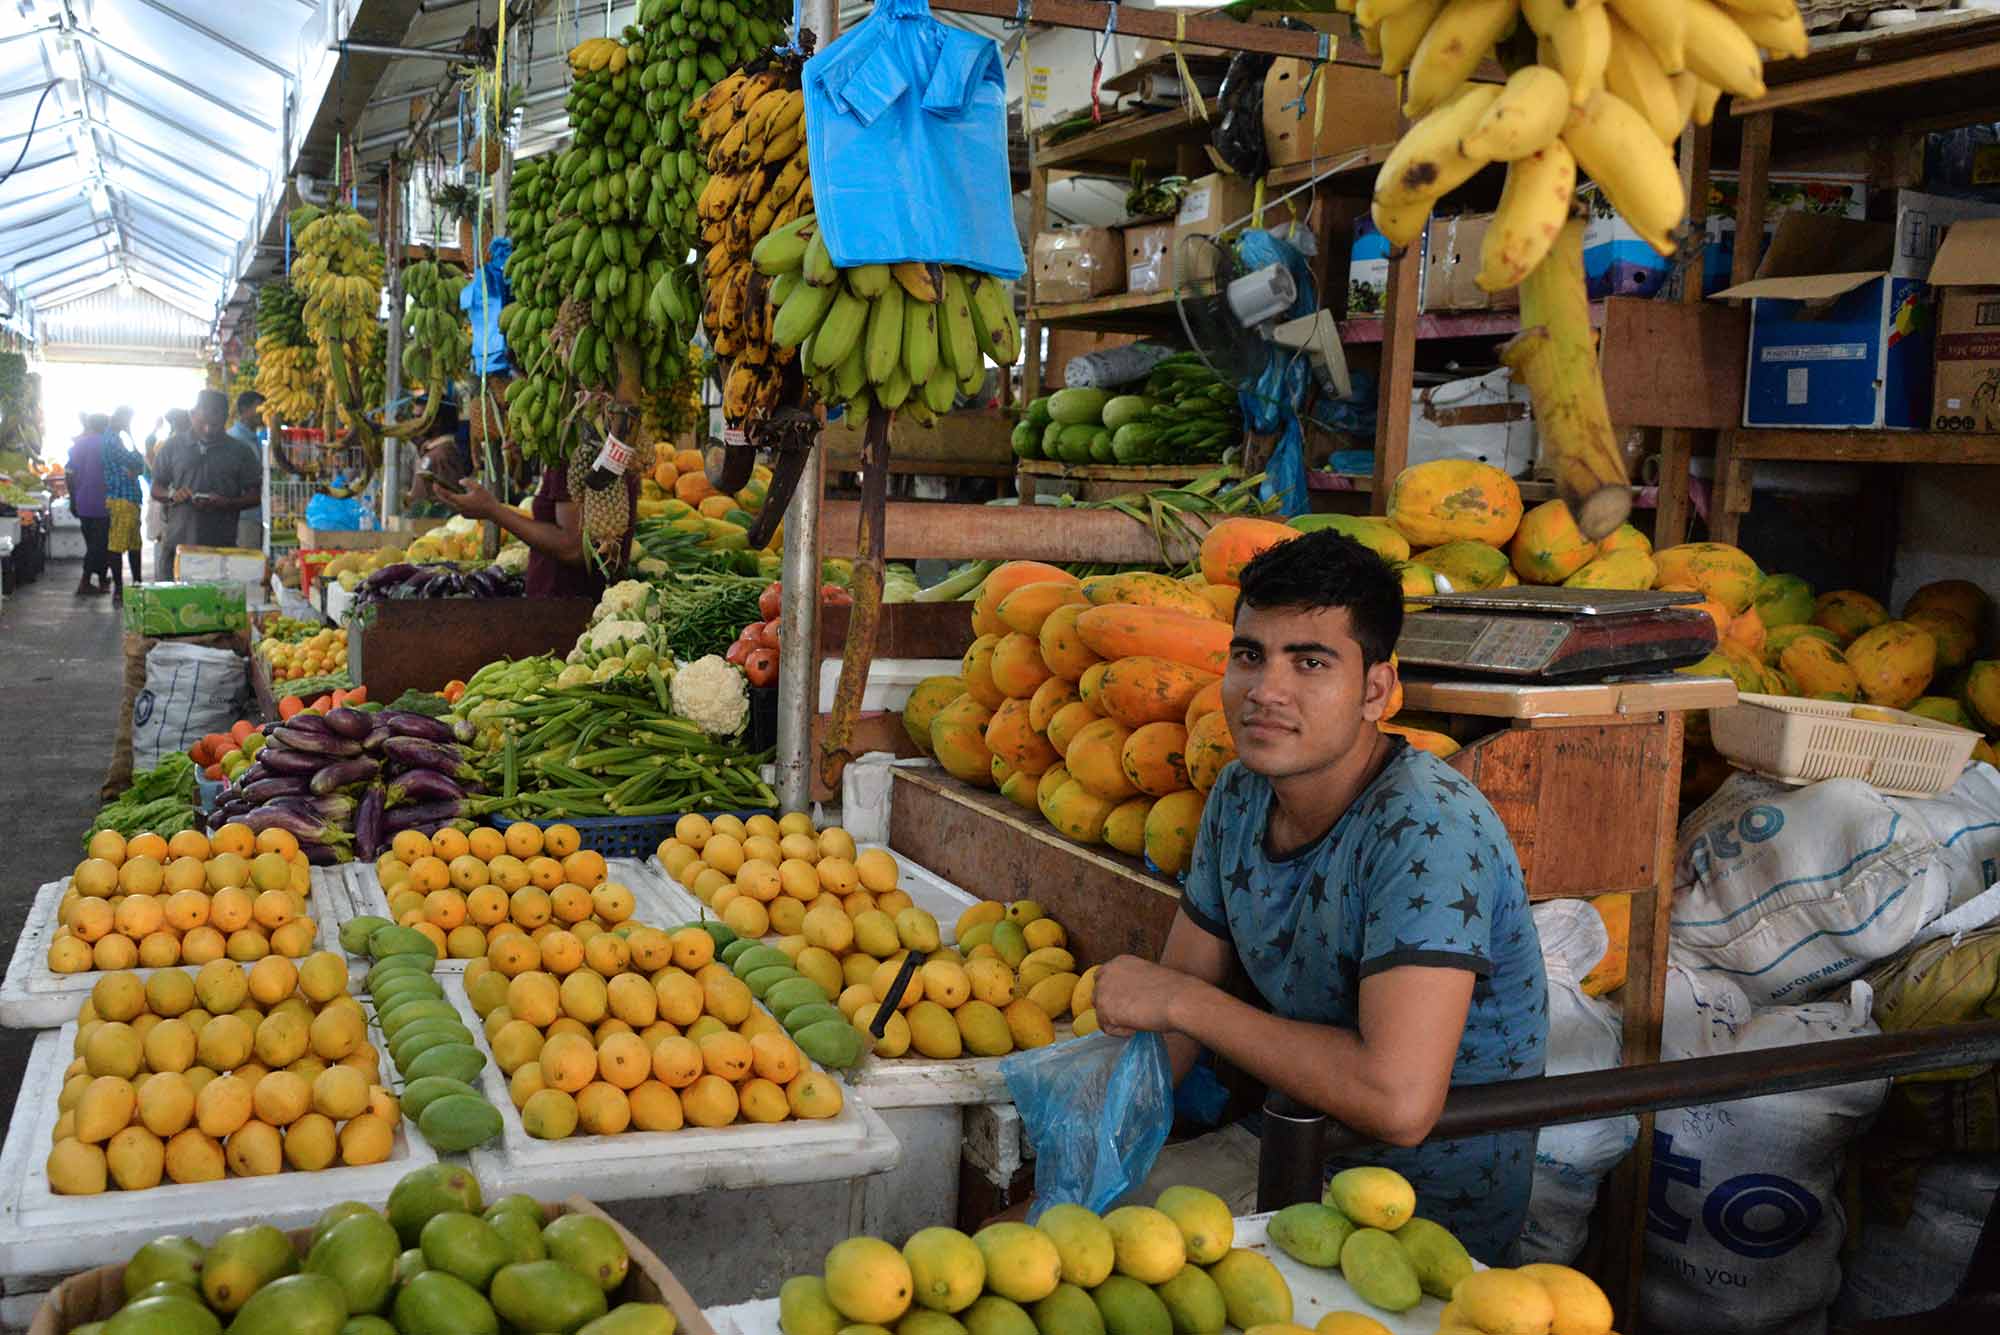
<point>751,131</point>
<point>339,271</point>
<point>598,53</point>
<point>907,336</point>
<point>1601,86</point>
<point>286,373</point>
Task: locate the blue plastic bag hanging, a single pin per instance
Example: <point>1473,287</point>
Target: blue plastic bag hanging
<point>906,126</point>
<point>1097,1110</point>
<point>481,300</point>
<point>1271,401</point>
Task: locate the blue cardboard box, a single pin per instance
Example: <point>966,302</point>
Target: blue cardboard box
<point>1616,263</point>
<point>1837,339</point>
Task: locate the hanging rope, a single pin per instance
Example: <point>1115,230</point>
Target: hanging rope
<point>1190,95</point>
<point>1098,47</point>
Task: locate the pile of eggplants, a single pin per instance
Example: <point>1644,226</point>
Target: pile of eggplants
<point>345,782</point>
<point>437,579</point>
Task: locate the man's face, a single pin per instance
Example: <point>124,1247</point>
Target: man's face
<point>207,422</point>
<point>248,417</point>
<point>1296,694</point>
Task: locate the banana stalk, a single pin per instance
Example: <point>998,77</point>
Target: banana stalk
<point>865,617</point>
<point>1556,355</point>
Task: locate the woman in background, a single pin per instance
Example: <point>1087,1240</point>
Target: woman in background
<point>122,467</point>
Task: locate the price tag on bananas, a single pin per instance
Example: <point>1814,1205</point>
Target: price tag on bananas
<point>615,457</point>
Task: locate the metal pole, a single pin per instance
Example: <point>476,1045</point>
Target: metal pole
<point>798,651</point>
<point>392,448</point>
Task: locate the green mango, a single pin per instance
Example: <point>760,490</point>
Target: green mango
<point>359,1254</point>
<point>546,1295</point>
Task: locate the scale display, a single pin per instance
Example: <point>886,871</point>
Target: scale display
<point>1556,634</point>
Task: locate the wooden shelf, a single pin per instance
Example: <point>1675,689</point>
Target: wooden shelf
<point>1168,473</point>
<point>917,530</point>
<point>1937,71</point>
<point>1109,149</point>
<point>1866,447</point>
<point>1358,174</point>
<point>1200,61</point>
<point>1451,324</point>
<point>1129,312</point>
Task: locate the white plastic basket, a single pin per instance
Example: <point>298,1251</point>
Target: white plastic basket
<point>1805,741</point>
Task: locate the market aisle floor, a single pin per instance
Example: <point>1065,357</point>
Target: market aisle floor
<point>60,682</point>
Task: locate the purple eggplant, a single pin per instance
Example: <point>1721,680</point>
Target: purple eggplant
<point>421,785</point>
<point>303,826</point>
<point>409,753</point>
<point>344,774</point>
<point>350,723</point>
<point>287,785</point>
<point>388,576</point>
<point>428,813</point>
<point>321,855</point>
<point>250,774</point>
<point>281,759</point>
<point>378,733</point>
<point>408,723</point>
<point>465,730</point>
<point>329,745</point>
<point>369,836</point>
<point>308,723</point>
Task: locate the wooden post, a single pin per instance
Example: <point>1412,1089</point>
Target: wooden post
<point>1752,184</point>
<point>1396,383</point>
<point>1031,328</point>
<point>1670,519</point>
<point>1732,488</point>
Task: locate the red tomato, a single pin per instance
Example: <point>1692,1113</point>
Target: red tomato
<point>738,652</point>
<point>771,601</point>
<point>833,593</point>
<point>761,667</point>
<point>750,632</point>
<point>769,634</point>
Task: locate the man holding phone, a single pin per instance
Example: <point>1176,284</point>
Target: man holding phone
<point>207,481</point>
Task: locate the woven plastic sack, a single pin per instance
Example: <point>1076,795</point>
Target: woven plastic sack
<point>1097,1110</point>
<point>906,125</point>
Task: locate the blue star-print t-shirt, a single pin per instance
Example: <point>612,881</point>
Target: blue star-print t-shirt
<point>1418,870</point>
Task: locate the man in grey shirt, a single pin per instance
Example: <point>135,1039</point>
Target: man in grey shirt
<point>250,524</point>
<point>207,480</point>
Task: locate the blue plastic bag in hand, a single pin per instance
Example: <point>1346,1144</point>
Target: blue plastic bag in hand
<point>1097,1110</point>
<point>906,125</point>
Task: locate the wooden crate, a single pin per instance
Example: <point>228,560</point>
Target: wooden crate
<point>422,643</point>
<point>907,630</point>
<point>96,1295</point>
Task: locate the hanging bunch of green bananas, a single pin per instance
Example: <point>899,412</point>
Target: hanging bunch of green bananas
<point>287,374</point>
<point>752,135</point>
<point>437,341</point>
<point>339,271</point>
<point>907,336</point>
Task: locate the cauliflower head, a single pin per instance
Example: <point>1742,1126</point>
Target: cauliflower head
<point>607,634</point>
<point>623,599</point>
<point>713,695</point>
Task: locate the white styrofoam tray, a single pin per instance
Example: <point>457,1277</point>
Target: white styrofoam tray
<point>926,889</point>
<point>1315,1293</point>
<point>652,903</point>
<point>33,996</point>
<point>43,1233</point>
<point>855,1143</point>
<point>909,1082</point>
<point>890,680</point>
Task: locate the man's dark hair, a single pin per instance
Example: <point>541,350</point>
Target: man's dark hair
<point>97,424</point>
<point>214,400</point>
<point>248,399</point>
<point>1328,569</point>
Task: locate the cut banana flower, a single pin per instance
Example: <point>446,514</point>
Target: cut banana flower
<point>1610,88</point>
<point>907,336</point>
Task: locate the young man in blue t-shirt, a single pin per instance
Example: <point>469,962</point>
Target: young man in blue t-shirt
<point>1370,895</point>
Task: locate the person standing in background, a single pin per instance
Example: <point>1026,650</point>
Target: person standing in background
<point>209,481</point>
<point>84,479</point>
<point>168,436</point>
<point>250,524</point>
<point>122,467</point>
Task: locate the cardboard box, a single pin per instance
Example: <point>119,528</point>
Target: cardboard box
<point>220,565</point>
<point>1965,278</point>
<point>185,609</point>
<point>1368,269</point>
<point>1078,264</point>
<point>1616,263</point>
<point>1921,223</point>
<point>1357,109</point>
<point>1839,195</point>
<point>1212,203</point>
<point>1149,257</point>
<point>1837,339</point>
<point>1451,262</point>
<point>1486,419</point>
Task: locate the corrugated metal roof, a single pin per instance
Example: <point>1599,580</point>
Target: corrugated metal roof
<point>112,319</point>
<point>162,133</point>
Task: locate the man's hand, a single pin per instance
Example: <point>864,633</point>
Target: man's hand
<point>473,500</point>
<point>180,495</point>
<point>1134,994</point>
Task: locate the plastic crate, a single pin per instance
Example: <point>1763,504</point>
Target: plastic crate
<point>1805,741</point>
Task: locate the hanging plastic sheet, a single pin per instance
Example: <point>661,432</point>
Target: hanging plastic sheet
<point>1271,402</point>
<point>481,300</point>
<point>906,125</point>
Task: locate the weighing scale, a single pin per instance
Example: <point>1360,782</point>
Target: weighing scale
<point>1527,633</point>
